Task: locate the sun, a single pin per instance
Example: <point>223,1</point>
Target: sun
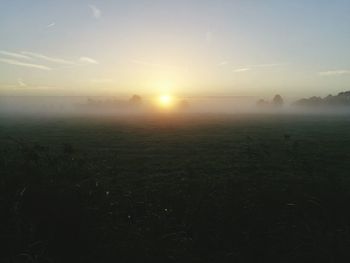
<point>165,101</point>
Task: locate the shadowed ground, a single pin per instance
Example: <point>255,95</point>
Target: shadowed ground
<point>215,188</point>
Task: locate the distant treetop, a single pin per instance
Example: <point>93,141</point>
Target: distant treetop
<point>135,100</point>
<point>277,101</point>
<point>342,99</point>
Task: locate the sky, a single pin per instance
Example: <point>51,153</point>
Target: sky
<point>181,47</point>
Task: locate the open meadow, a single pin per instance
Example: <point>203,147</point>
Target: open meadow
<point>172,188</point>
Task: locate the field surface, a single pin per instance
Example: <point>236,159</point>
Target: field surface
<point>168,188</point>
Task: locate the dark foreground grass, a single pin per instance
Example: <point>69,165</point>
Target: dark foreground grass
<point>175,189</point>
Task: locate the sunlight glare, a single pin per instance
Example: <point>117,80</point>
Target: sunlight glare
<point>165,101</point>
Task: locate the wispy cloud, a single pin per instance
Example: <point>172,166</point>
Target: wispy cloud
<point>340,72</point>
<point>96,12</point>
<point>14,55</point>
<point>88,60</point>
<point>51,25</point>
<point>21,83</point>
<point>241,70</point>
<point>223,63</point>
<point>47,58</point>
<point>23,64</point>
<point>17,59</point>
<point>252,67</point>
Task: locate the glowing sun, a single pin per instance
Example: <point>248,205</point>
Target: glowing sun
<point>165,101</point>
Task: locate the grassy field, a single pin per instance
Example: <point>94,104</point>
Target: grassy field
<point>205,188</point>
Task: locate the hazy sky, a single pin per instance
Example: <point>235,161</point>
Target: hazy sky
<point>183,47</point>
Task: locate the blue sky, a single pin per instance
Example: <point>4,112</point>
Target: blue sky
<point>232,47</point>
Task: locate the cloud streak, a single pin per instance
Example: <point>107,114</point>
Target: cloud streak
<point>241,70</point>
<point>88,60</point>
<point>47,58</point>
<point>223,63</point>
<point>20,59</point>
<point>14,55</point>
<point>23,64</point>
<point>331,73</point>
<point>96,13</point>
<point>252,67</point>
<point>51,25</point>
<point>21,83</point>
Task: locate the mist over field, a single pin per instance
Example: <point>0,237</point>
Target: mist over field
<point>79,105</point>
<point>174,131</point>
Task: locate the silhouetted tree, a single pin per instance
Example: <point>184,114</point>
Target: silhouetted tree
<point>315,101</point>
<point>135,100</point>
<point>262,103</point>
<point>277,101</point>
<point>342,99</point>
